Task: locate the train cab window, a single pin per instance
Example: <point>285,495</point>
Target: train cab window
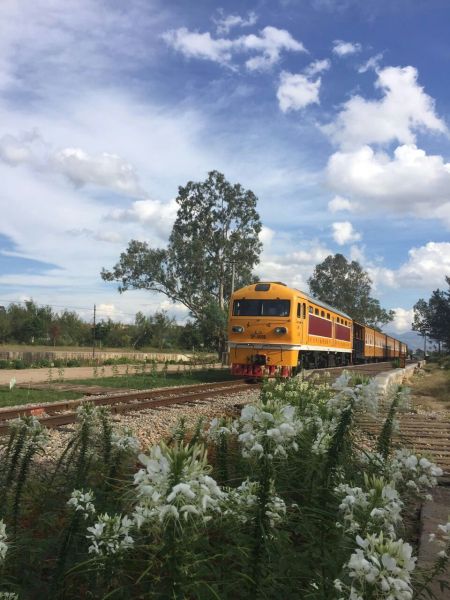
<point>304,310</point>
<point>299,311</point>
<point>316,311</point>
<point>261,308</point>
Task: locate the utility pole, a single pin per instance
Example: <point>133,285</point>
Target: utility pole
<point>93,334</point>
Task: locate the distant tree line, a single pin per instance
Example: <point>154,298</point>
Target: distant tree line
<point>29,323</point>
<point>432,317</point>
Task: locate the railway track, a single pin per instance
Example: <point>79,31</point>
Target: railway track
<point>57,414</point>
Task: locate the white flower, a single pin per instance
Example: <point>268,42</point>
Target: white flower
<point>125,442</point>
<point>268,428</point>
<point>442,538</point>
<point>83,502</point>
<point>110,535</point>
<point>3,544</point>
<point>175,484</point>
<point>240,502</point>
<point>415,472</point>
<point>381,568</point>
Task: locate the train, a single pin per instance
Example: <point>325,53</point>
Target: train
<point>276,330</point>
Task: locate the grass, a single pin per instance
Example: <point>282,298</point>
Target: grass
<point>18,396</point>
<point>432,390</point>
<point>142,381</point>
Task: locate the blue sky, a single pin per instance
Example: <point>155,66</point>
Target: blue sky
<point>335,113</point>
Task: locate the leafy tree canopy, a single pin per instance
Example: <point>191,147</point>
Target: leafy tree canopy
<point>217,225</point>
<point>432,317</point>
<point>346,286</point>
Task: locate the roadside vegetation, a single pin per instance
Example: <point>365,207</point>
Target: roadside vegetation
<point>280,501</point>
<point>431,387</point>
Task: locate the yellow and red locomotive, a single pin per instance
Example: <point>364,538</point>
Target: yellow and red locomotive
<point>277,330</point>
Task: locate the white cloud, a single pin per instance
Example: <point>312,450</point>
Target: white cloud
<point>106,170</point>
<point>270,43</point>
<point>15,150</point>
<point>403,319</point>
<point>338,203</point>
<point>80,168</point>
<point>343,233</point>
<point>342,48</point>
<point>317,66</point>
<point>268,46</point>
<point>296,91</point>
<point>404,109</point>
<point>266,235</point>
<point>193,44</point>
<point>412,182</point>
<point>291,264</point>
<point>226,22</point>
<point>159,215</point>
<point>425,268</point>
<point>372,63</point>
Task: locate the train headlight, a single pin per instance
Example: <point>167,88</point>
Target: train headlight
<point>237,329</point>
<point>280,330</point>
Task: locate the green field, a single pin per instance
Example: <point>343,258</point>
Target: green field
<point>147,380</point>
<point>18,396</point>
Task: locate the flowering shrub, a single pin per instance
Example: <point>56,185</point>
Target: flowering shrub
<point>110,535</point>
<point>240,503</point>
<point>125,442</point>
<point>175,483</point>
<point>413,471</point>
<point>379,568</point>
<point>376,508</point>
<point>3,544</point>
<point>167,529</point>
<point>442,539</point>
<point>268,429</point>
<point>82,502</point>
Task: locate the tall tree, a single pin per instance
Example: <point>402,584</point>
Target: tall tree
<point>346,286</point>
<point>421,320</point>
<point>217,228</point>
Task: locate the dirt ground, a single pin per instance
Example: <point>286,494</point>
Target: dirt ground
<point>42,375</point>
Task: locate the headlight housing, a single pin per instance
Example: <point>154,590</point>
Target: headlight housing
<point>237,329</point>
<point>281,330</point>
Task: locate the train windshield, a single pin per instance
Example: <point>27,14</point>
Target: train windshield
<point>261,308</point>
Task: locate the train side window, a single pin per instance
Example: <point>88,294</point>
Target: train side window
<point>316,311</point>
<point>304,310</point>
<point>322,314</point>
<point>328,316</point>
<point>310,309</point>
<point>298,311</point>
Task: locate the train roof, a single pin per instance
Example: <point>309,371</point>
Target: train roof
<point>307,296</point>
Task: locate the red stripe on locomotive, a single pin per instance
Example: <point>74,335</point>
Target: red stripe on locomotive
<point>318,326</point>
<point>342,333</point>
